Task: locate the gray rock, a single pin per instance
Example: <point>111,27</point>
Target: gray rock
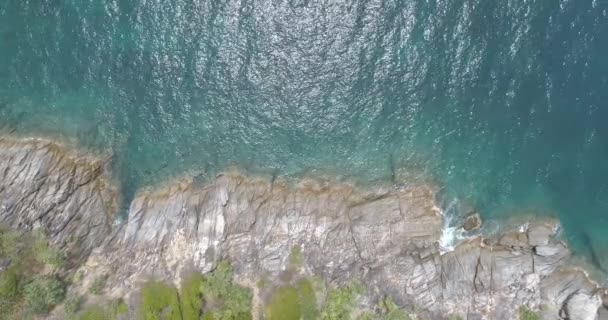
<point>472,222</point>
<point>514,239</point>
<point>546,250</point>
<point>582,306</point>
<point>540,234</point>
<point>604,294</point>
<point>43,183</point>
<point>386,238</point>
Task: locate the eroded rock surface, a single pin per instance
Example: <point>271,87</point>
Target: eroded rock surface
<point>472,222</point>
<point>44,185</point>
<point>387,238</point>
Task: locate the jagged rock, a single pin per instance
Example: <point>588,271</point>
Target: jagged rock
<point>255,224</point>
<point>582,306</point>
<point>386,238</point>
<point>42,183</point>
<point>472,222</point>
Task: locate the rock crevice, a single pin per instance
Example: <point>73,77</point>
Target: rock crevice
<point>387,238</point>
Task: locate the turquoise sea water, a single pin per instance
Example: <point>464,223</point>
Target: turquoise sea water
<point>505,103</point>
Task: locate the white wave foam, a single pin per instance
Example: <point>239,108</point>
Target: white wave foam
<point>451,233</point>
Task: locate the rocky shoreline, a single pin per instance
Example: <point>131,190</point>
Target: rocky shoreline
<point>386,238</point>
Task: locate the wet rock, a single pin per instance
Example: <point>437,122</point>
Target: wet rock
<point>472,222</point>
<point>540,234</point>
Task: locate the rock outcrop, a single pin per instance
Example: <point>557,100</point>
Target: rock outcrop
<point>42,184</point>
<point>472,222</point>
<point>386,237</point>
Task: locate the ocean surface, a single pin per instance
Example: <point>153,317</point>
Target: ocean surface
<point>503,103</point>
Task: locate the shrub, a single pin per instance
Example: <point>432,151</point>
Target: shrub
<point>341,302</point>
<point>307,299</point>
<point>111,311</point>
<point>290,302</point>
<point>118,307</point>
<point>22,291</point>
<point>295,256</point>
<point>526,314</point>
<point>98,285</point>
<point>9,283</point>
<point>284,305</point>
<point>46,254</point>
<point>191,297</point>
<point>10,292</point>
<point>390,311</point>
<point>367,315</point>
<point>10,243</point>
<point>72,304</point>
<point>159,301</point>
<point>222,298</point>
<point>42,293</point>
<point>212,296</point>
<point>95,313</point>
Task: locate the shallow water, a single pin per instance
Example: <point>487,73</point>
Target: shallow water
<point>503,102</point>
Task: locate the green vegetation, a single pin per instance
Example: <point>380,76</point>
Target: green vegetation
<point>9,292</point>
<point>293,302</point>
<point>367,315</point>
<point>46,254</point>
<point>9,283</point>
<point>526,314</point>
<point>35,280</point>
<point>159,301</point>
<point>32,282</point>
<point>107,312</point>
<point>43,293</point>
<point>222,298</point>
<point>390,311</point>
<point>118,307</point>
<point>210,296</point>
<point>295,256</point>
<point>284,305</point>
<point>73,304</point>
<point>94,313</point>
<point>192,297</point>
<point>307,299</point>
<point>98,285</point>
<point>341,302</point>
